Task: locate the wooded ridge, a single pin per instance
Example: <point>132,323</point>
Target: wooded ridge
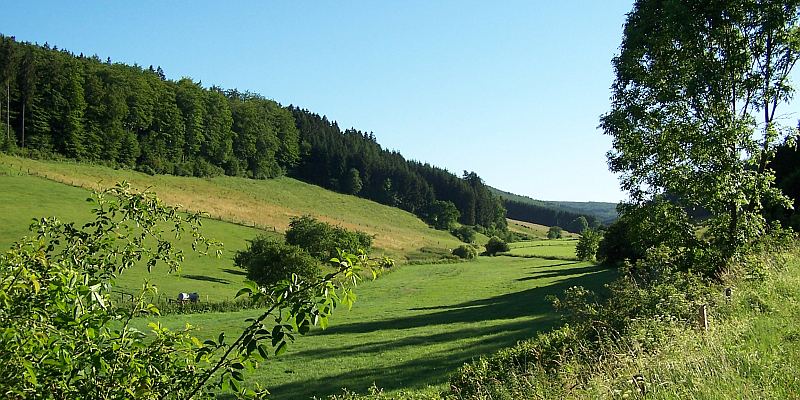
<point>57,104</point>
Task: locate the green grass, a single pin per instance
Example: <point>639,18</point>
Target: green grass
<point>409,329</point>
<point>534,230</point>
<point>415,325</point>
<point>35,189</point>
<point>25,197</point>
<point>559,248</point>
<point>267,204</point>
<point>749,352</point>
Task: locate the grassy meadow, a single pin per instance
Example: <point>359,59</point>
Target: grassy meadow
<point>31,197</point>
<point>534,230</point>
<point>265,204</point>
<point>414,325</point>
<point>557,248</point>
<point>409,329</point>
<point>34,189</point>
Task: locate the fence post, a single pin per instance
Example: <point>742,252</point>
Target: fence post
<point>703,316</point>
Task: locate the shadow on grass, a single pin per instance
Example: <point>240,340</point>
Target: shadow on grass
<point>205,278</point>
<point>557,265</point>
<point>235,271</point>
<point>553,274</point>
<point>523,313</point>
<point>425,369</point>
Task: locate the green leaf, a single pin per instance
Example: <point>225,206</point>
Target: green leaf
<point>262,351</point>
<point>31,375</point>
<point>281,348</point>
<point>251,285</point>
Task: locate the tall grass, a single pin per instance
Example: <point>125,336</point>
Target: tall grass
<point>749,351</point>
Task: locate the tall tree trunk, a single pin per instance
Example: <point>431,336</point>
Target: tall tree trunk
<point>764,159</point>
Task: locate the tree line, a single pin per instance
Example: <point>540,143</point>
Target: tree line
<point>125,116</point>
<point>572,222</point>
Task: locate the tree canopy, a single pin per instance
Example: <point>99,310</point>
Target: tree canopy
<point>695,106</point>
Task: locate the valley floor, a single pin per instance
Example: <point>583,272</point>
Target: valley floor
<point>416,325</point>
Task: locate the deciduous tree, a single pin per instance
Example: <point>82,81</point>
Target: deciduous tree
<point>695,105</point>
<point>587,244</point>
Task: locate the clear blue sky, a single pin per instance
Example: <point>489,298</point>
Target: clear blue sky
<point>511,90</point>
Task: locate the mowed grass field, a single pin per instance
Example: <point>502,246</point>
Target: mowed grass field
<point>557,248</point>
<point>535,230</point>
<point>415,325</point>
<point>266,204</point>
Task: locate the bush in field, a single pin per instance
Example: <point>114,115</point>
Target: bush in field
<point>464,233</point>
<point>321,239</point>
<point>496,245</point>
<point>555,232</point>
<point>466,251</point>
<point>652,224</point>
<point>587,244</point>
<point>268,261</point>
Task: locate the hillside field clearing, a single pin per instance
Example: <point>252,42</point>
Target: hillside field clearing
<point>557,248</point>
<point>265,204</point>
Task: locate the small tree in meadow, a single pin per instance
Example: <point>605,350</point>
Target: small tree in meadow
<point>587,244</point>
<point>442,215</point>
<point>555,232</point>
<point>321,239</point>
<point>496,245</point>
<point>269,261</point>
<point>465,233</point>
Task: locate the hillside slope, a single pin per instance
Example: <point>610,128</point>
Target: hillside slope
<point>264,204</point>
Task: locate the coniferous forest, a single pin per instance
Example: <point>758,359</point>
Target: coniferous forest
<point>58,104</point>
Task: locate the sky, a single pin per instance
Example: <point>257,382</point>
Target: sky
<point>512,90</point>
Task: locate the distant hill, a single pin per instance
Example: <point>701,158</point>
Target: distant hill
<point>604,212</point>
